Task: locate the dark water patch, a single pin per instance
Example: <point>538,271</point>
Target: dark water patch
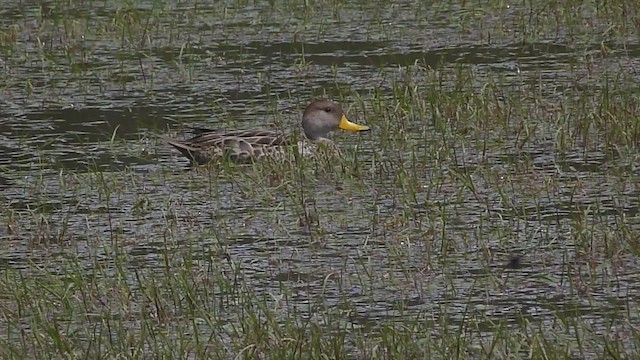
<point>93,124</point>
<point>543,54</point>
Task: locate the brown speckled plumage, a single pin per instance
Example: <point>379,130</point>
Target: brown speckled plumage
<point>320,118</point>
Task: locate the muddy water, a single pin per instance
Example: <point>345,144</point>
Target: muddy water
<point>86,90</point>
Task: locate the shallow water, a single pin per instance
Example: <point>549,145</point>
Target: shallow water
<point>431,222</point>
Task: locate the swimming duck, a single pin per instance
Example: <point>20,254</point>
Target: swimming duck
<point>319,119</point>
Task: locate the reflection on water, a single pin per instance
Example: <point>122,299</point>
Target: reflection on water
<point>83,98</point>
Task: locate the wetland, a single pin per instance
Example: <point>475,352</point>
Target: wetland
<point>490,213</point>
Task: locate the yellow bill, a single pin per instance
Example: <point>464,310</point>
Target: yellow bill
<point>345,124</point>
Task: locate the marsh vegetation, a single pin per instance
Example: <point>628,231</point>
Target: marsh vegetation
<point>491,213</point>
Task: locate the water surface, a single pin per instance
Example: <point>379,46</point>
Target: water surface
<point>441,203</point>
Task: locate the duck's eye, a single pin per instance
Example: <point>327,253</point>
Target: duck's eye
<point>327,109</point>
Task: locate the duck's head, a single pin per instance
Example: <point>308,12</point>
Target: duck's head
<point>323,116</point>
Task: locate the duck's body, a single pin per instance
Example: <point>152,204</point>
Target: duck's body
<point>319,119</point>
<point>237,145</point>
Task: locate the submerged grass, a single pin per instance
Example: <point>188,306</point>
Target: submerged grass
<point>490,214</point>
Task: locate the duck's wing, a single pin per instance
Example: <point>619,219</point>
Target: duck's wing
<point>244,146</point>
<point>251,137</point>
<point>238,145</point>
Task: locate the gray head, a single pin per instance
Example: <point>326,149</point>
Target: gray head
<point>323,116</point>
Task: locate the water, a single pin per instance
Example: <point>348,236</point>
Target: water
<point>83,92</point>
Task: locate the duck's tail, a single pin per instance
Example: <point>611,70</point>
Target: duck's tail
<point>192,153</point>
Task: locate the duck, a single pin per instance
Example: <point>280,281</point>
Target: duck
<point>320,118</point>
